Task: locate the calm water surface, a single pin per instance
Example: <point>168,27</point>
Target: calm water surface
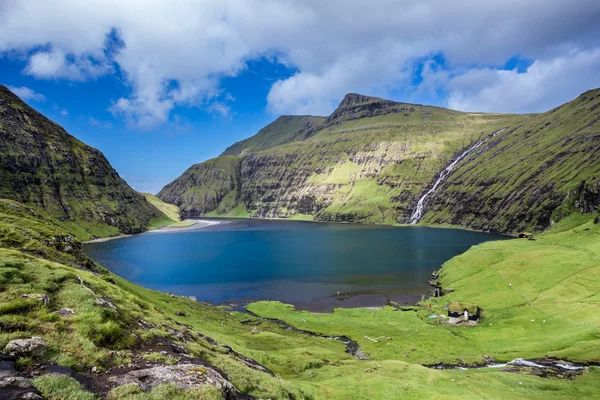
<point>296,262</point>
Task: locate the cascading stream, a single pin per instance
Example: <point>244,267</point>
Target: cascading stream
<point>420,209</point>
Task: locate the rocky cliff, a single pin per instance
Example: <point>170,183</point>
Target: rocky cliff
<point>44,167</point>
<point>372,159</point>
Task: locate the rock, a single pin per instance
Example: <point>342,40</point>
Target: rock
<point>17,388</point>
<point>29,396</point>
<point>105,302</point>
<point>63,312</point>
<point>94,369</point>
<point>193,298</point>
<point>179,349</point>
<point>180,313</point>
<point>26,347</point>
<point>37,296</point>
<point>15,382</point>
<point>255,331</point>
<point>184,376</point>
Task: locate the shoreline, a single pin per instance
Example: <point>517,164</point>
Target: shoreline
<point>197,224</point>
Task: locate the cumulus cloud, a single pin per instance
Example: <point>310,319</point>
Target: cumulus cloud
<point>535,90</point>
<point>27,94</point>
<point>55,64</point>
<point>175,54</point>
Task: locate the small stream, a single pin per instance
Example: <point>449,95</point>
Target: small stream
<point>542,367</point>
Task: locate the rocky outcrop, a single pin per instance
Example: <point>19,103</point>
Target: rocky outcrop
<point>184,376</point>
<point>42,166</point>
<point>26,347</point>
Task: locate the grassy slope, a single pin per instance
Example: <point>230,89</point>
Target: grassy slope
<point>369,169</point>
<point>170,210</point>
<point>285,129</point>
<point>553,279</point>
<point>210,186</point>
<point>518,180</point>
<point>319,368</point>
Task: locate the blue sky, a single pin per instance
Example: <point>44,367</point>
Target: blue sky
<point>158,86</point>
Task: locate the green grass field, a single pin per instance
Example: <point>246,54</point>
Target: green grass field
<point>553,278</point>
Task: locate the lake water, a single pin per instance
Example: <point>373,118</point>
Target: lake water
<point>296,262</point>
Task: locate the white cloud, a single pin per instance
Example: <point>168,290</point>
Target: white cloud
<point>55,64</point>
<point>544,85</point>
<point>27,94</point>
<point>175,54</point>
<point>64,112</point>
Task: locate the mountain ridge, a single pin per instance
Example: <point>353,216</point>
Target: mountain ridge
<point>371,160</point>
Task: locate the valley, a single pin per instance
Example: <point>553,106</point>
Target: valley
<point>72,329</point>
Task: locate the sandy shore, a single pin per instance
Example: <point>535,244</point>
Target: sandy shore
<point>196,224</point>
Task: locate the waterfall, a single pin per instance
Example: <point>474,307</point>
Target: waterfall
<point>420,209</point>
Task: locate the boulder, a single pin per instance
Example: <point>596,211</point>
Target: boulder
<point>26,347</point>
<point>105,302</point>
<point>184,376</point>
<point>193,298</point>
<point>63,312</point>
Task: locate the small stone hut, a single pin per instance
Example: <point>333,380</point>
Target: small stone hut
<point>463,313</point>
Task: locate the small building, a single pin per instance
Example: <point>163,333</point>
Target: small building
<point>525,235</point>
<point>463,313</point>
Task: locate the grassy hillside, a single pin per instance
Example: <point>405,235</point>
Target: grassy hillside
<point>531,176</point>
<point>285,129</point>
<point>367,162</point>
<point>41,165</point>
<point>212,185</point>
<point>372,159</point>
<point>119,330</point>
<point>170,210</point>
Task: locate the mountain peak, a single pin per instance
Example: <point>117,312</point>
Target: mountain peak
<point>354,98</point>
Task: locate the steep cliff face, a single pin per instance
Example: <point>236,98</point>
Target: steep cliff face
<point>533,175</point>
<point>41,165</point>
<point>210,186</point>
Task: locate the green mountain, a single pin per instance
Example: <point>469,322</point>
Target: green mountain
<point>44,167</point>
<point>372,160</point>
